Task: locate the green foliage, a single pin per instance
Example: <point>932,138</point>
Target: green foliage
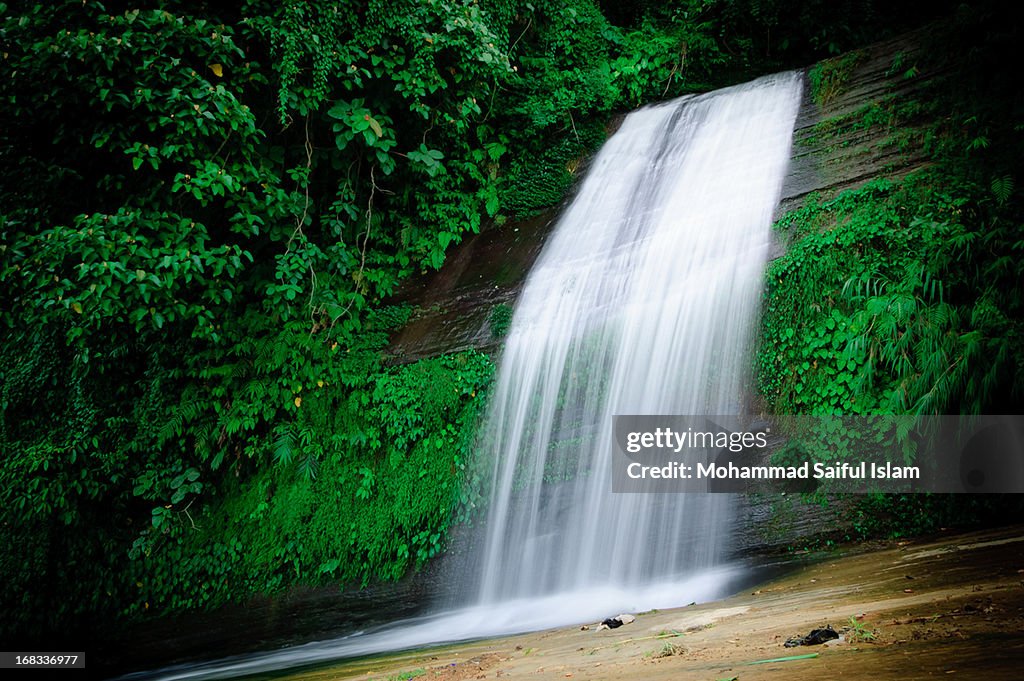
<point>500,319</point>
<point>668,650</point>
<point>829,77</point>
<point>857,632</point>
<point>911,313</point>
<point>895,516</point>
<point>188,280</point>
<point>405,676</point>
<point>652,61</point>
<point>390,456</point>
<point>157,238</point>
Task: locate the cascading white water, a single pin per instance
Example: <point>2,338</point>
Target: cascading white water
<point>642,302</point>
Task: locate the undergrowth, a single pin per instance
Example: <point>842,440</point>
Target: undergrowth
<point>902,296</point>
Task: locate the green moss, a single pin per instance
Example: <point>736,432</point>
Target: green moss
<point>500,320</point>
<point>830,76</point>
<point>542,180</point>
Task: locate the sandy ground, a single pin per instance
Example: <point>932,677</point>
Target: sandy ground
<point>947,607</point>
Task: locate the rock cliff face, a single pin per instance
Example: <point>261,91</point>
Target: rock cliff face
<point>840,142</point>
<point>836,145</point>
<point>453,306</point>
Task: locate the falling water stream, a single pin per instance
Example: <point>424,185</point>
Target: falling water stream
<point>642,302</point>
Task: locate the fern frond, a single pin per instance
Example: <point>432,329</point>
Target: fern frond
<point>1002,188</point>
<point>285,446</point>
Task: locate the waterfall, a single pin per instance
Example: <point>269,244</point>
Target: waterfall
<point>642,302</point>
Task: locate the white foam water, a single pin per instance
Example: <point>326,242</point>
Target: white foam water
<point>642,302</point>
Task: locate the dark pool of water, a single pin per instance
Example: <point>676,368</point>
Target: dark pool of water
<point>262,624</point>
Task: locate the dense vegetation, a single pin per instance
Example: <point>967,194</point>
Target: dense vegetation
<point>206,211</point>
<point>903,296</point>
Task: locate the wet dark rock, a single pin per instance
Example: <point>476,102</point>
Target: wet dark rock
<point>830,164</point>
<point>453,305</point>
